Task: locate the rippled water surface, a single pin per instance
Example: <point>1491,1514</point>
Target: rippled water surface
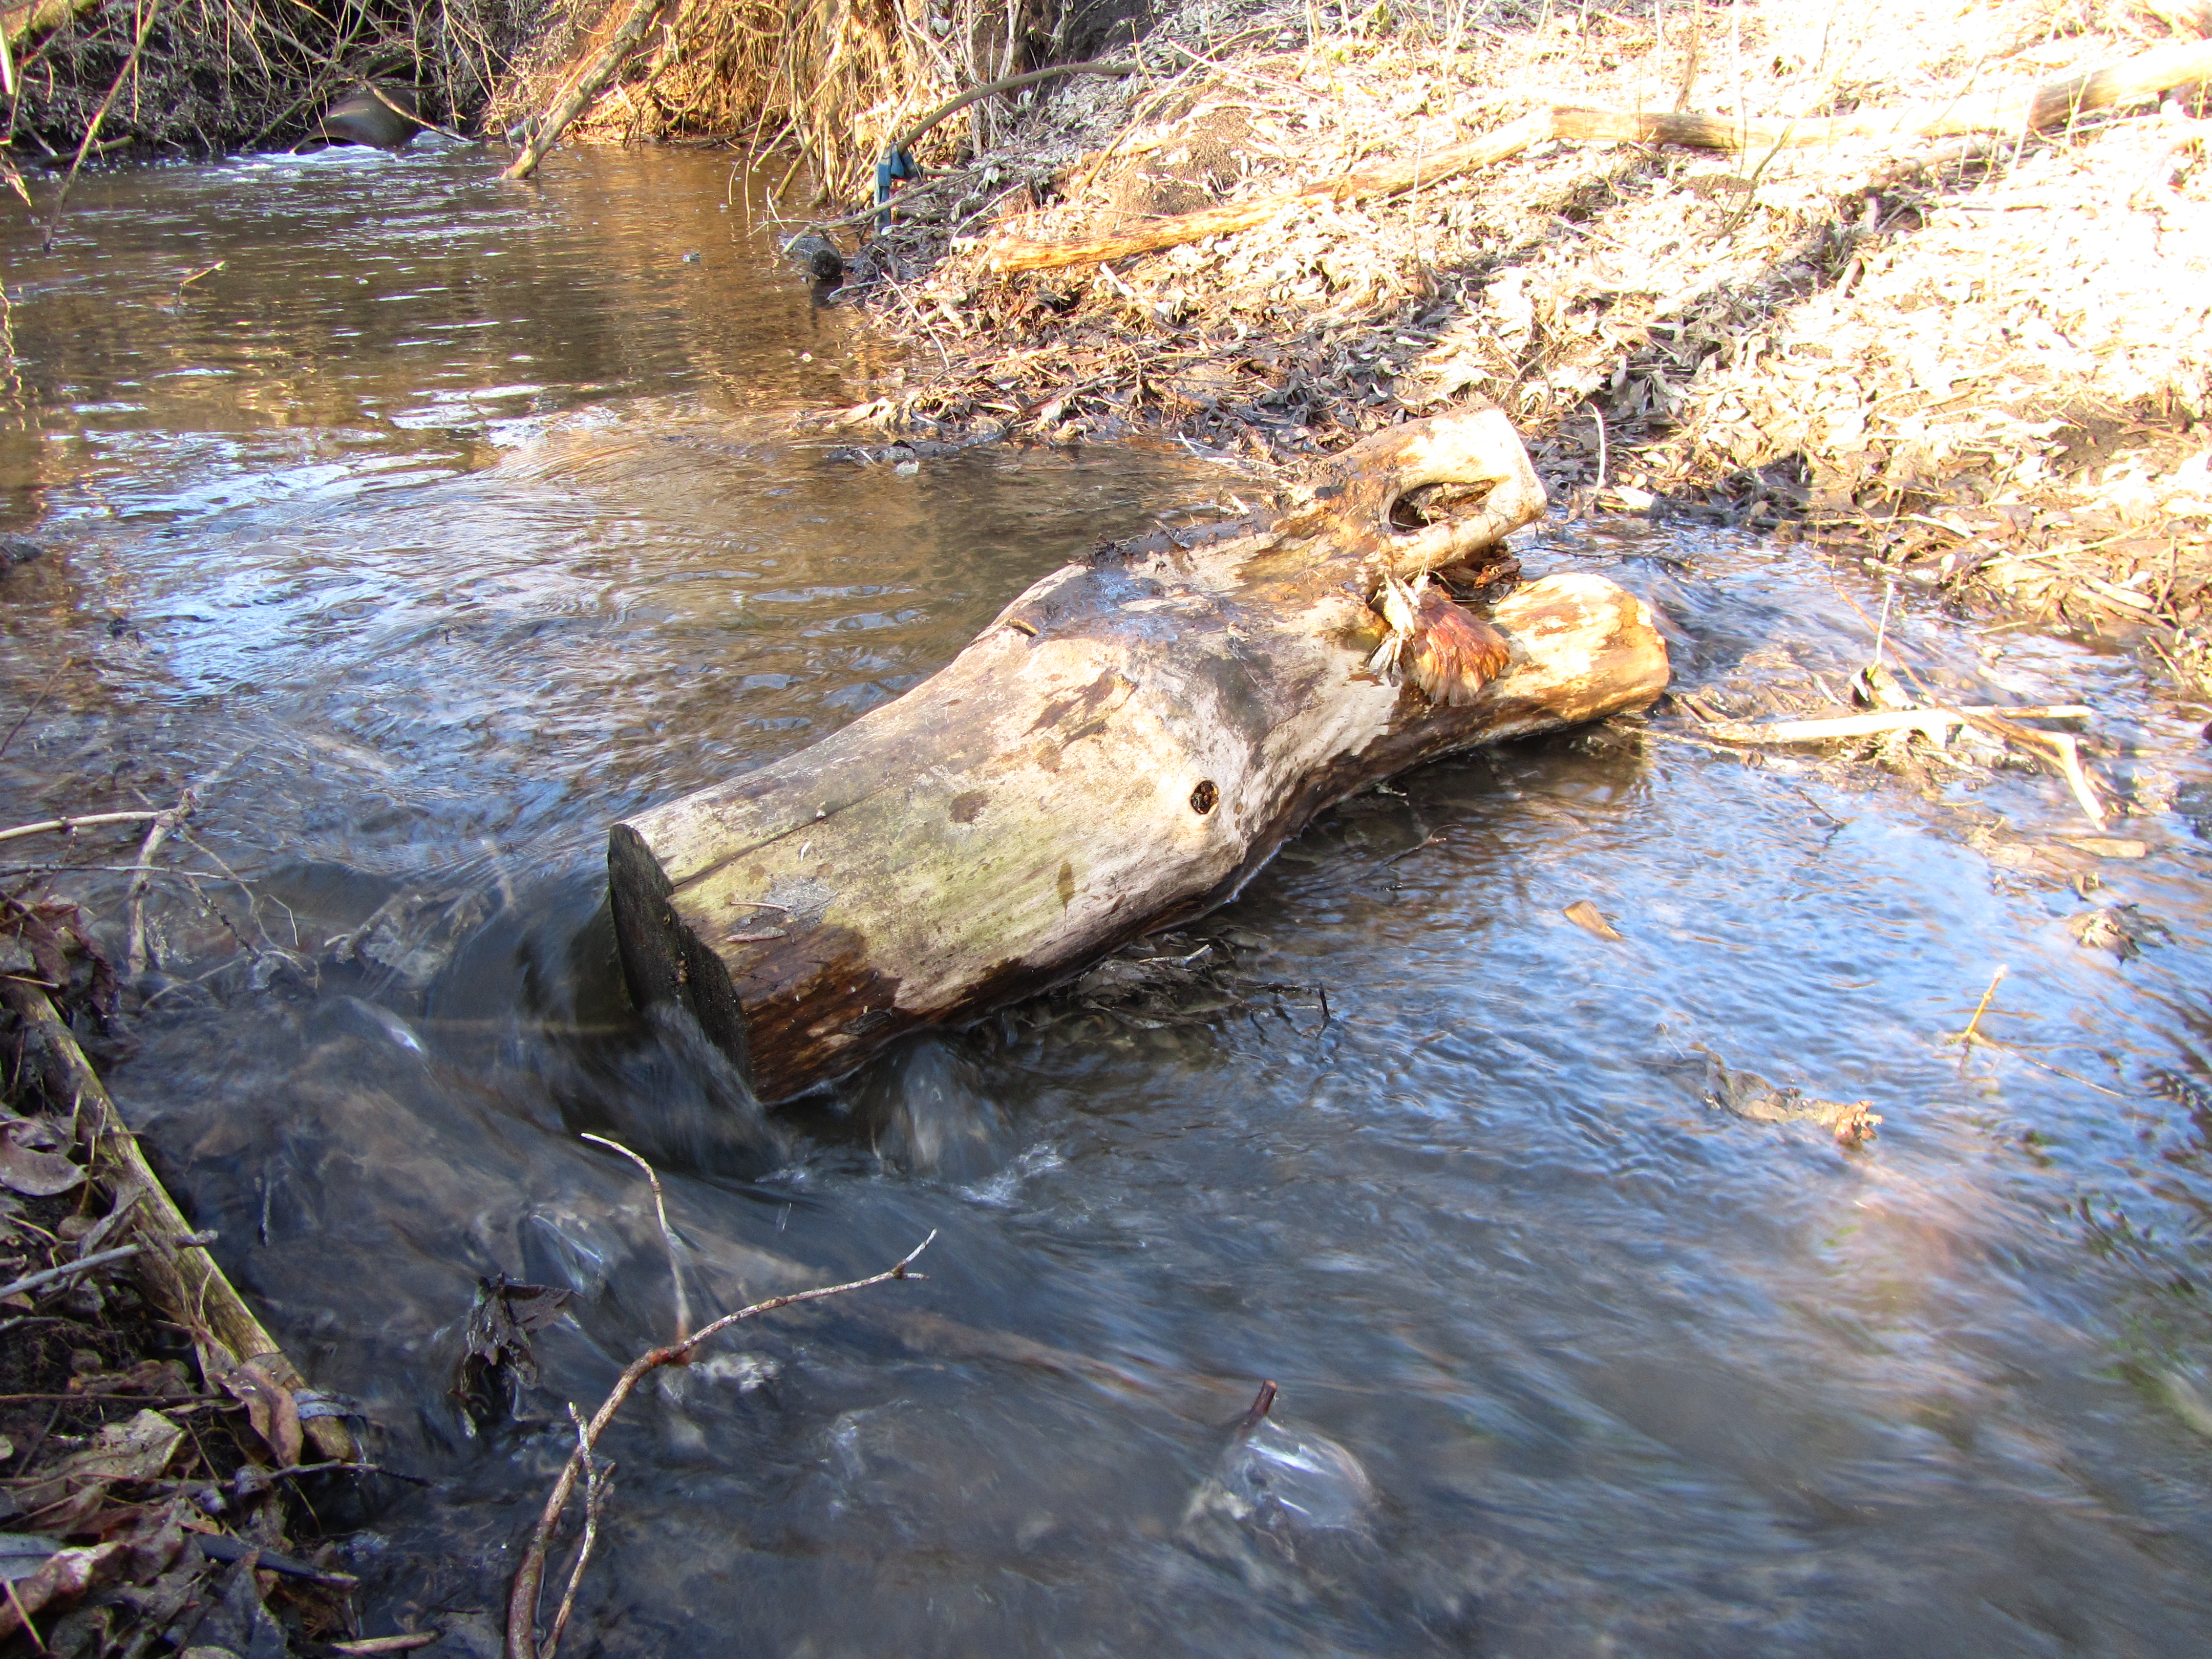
<point>448,521</point>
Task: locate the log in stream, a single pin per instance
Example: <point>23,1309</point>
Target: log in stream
<point>1121,750</point>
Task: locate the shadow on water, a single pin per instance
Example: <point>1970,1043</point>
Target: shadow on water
<point>452,522</point>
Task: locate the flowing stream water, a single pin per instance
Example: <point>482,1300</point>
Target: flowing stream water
<point>444,521</point>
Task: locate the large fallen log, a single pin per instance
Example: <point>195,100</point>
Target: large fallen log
<point>1120,749</point>
<point>2037,109</point>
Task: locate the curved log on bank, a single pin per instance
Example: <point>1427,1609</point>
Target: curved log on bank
<point>1121,750</point>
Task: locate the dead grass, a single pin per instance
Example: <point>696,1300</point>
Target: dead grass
<point>832,79</point>
<point>213,75</point>
<point>1989,362</point>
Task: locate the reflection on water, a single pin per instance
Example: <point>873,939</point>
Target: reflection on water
<point>450,521</point>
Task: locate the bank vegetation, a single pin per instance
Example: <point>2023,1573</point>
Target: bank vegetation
<point>1974,347</point>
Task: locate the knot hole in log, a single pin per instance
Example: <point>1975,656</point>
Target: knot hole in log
<point>1205,798</point>
<point>1428,494</point>
<point>1436,503</point>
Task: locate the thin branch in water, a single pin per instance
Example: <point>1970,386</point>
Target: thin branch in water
<point>134,956</point>
<point>595,1495</point>
<point>522,1641</point>
<point>37,702</point>
<point>667,1233</point>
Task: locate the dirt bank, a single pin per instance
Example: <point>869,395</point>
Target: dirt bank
<point>1983,360</point>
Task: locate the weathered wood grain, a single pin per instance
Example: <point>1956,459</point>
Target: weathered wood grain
<point>1122,749</point>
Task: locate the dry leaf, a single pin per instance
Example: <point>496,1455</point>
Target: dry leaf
<point>32,1160</point>
<point>165,1379</point>
<point>269,1406</point>
<point>67,1574</point>
<point>498,1363</point>
<point>1588,917</point>
<point>68,1495</point>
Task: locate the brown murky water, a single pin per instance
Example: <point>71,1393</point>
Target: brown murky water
<point>448,521</point>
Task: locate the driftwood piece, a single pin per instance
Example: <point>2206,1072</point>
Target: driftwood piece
<point>183,1278</point>
<point>2148,76</point>
<point>1120,749</point>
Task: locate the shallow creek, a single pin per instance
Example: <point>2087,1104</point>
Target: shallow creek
<point>448,521</point>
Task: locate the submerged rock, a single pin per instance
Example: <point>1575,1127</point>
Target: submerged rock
<point>1286,1508</point>
<point>385,122</point>
<point>818,256</point>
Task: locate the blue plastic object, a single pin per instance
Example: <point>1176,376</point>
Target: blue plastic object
<point>897,166</point>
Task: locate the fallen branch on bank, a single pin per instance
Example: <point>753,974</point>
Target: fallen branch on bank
<point>914,134</point>
<point>181,1276</point>
<point>2054,105</point>
<point>586,87</point>
<point>522,1642</point>
<point>1930,722</point>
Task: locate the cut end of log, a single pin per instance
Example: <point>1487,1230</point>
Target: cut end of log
<point>664,960</point>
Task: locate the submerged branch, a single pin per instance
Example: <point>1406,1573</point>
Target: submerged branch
<point>522,1641</point>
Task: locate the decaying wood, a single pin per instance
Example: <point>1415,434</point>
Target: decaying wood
<point>2148,75</point>
<point>184,1280</point>
<point>1121,750</point>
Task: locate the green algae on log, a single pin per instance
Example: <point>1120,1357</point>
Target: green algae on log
<point>1121,750</point>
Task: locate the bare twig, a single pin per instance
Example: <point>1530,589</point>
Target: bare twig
<point>134,955</point>
<point>522,1597</point>
<point>91,127</point>
<point>68,1269</point>
<point>1967,1039</point>
<point>667,1233</point>
<point>65,825</point>
<point>595,1493</point>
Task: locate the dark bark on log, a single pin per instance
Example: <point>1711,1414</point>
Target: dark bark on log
<point>1121,750</point>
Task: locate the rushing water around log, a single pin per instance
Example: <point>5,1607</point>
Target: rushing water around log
<point>448,521</point>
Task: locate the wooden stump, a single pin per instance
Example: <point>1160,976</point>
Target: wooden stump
<point>1121,750</point>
